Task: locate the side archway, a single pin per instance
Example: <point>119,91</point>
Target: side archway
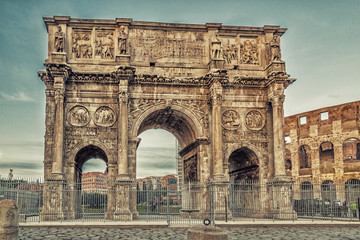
<point>243,165</point>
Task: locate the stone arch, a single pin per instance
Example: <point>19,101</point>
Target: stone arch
<point>306,190</point>
<point>304,156</point>
<point>351,150</point>
<point>288,163</point>
<point>243,164</point>
<point>328,190</point>
<point>352,190</point>
<point>181,112</point>
<point>326,157</point>
<point>111,159</point>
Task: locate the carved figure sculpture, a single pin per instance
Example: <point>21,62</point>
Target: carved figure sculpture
<point>11,174</point>
<point>275,48</point>
<point>215,48</point>
<point>59,40</point>
<point>122,40</point>
<point>104,116</point>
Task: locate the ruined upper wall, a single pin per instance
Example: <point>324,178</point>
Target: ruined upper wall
<point>169,49</point>
<point>346,116</point>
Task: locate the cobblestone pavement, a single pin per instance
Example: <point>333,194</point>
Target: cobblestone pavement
<point>289,232</point>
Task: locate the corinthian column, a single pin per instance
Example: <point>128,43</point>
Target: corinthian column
<point>278,134</point>
<point>123,165</point>
<point>216,136</point>
<point>57,165</point>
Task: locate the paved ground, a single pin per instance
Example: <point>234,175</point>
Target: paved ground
<point>158,233</point>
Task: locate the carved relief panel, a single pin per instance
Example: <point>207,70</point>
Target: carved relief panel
<point>254,120</point>
<point>78,116</point>
<point>190,169</point>
<point>104,44</point>
<point>230,119</point>
<point>104,116</point>
<point>249,51</point>
<point>166,46</point>
<point>81,46</point>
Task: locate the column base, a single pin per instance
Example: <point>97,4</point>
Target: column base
<point>123,60</point>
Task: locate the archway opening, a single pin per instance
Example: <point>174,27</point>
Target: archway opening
<point>352,191</point>
<point>157,158</point>
<point>91,182</point>
<point>351,150</point>
<point>243,165</point>
<point>328,191</point>
<point>307,191</point>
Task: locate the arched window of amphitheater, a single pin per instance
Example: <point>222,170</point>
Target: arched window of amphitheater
<point>288,164</point>
<point>304,157</point>
<point>352,191</point>
<point>328,191</point>
<point>306,189</point>
<point>351,150</point>
<point>326,155</point>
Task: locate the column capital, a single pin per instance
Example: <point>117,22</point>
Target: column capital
<point>277,100</point>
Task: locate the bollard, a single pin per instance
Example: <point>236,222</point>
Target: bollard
<point>201,232</point>
<point>9,220</point>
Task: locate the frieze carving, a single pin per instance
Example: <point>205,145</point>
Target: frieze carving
<point>251,81</point>
<point>104,116</point>
<point>168,80</point>
<point>93,77</point>
<point>104,45</point>
<point>190,169</point>
<point>230,119</point>
<point>81,47</point>
<point>254,120</point>
<point>70,144</point>
<point>80,131</point>
<point>249,53</point>
<point>78,116</point>
<point>235,136</point>
<point>110,143</point>
<point>59,42</point>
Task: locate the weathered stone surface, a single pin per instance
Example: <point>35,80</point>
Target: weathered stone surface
<point>201,232</point>
<point>9,220</point>
<point>218,89</point>
<point>323,147</point>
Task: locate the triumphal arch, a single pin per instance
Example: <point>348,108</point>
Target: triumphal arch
<point>219,89</point>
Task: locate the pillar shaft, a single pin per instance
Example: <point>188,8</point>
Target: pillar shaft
<point>278,133</point>
<point>57,166</point>
<point>217,130</point>
<point>123,166</point>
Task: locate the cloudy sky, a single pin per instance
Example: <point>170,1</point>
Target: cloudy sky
<point>321,49</point>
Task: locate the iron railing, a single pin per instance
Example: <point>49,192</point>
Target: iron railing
<point>195,202</point>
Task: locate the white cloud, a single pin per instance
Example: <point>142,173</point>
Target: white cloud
<point>1,153</point>
<point>18,96</point>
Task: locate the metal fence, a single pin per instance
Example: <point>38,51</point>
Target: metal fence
<point>195,202</point>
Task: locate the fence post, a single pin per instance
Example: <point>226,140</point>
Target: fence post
<point>167,205</point>
<point>9,220</point>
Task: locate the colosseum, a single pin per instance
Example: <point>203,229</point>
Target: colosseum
<point>323,152</point>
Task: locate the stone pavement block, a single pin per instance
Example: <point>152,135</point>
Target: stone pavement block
<point>200,232</point>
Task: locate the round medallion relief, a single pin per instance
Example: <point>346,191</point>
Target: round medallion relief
<point>254,120</point>
<point>78,116</point>
<point>230,120</point>
<point>104,116</point>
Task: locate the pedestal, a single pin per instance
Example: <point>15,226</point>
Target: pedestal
<point>220,201</point>
<point>53,207</point>
<point>123,60</point>
<point>58,57</point>
<point>216,64</point>
<point>280,196</point>
<point>123,193</point>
